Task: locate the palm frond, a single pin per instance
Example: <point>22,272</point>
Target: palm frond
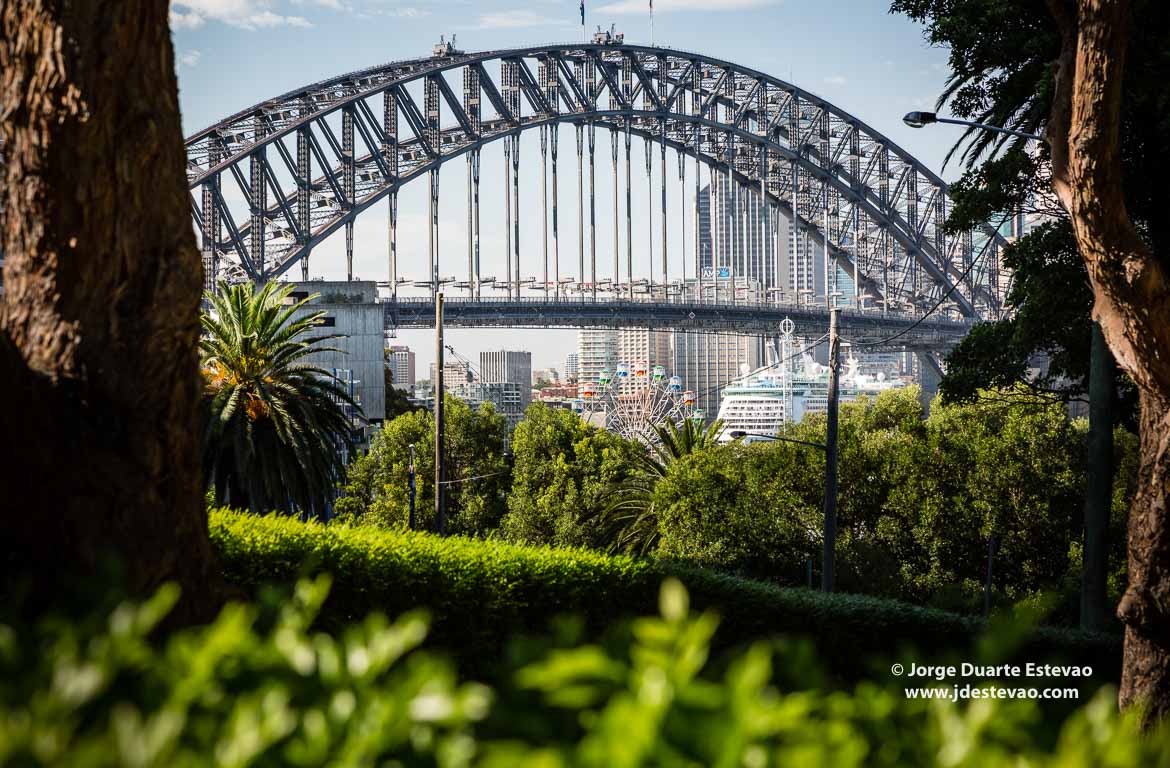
<point>275,424</point>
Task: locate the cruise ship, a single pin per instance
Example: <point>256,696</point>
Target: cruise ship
<point>760,402</point>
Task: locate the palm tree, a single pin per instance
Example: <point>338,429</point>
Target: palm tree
<point>630,515</point>
<point>275,429</point>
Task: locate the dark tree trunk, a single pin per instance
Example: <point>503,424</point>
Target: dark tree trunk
<point>99,321</point>
<point>1132,305</point>
<point>1145,672</point>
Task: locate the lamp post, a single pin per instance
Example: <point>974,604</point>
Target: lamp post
<point>922,119</point>
<point>1099,481</point>
<point>829,556</point>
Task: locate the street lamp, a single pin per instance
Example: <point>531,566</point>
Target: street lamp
<point>921,119</point>
<point>1100,480</point>
<point>737,434</point>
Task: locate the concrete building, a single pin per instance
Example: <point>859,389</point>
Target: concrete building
<point>571,367</point>
<point>597,350</point>
<point>507,397</point>
<point>350,311</point>
<point>551,375</point>
<point>455,374</point>
<point>708,362</point>
<point>400,361</point>
<point>638,346</point>
<point>559,392</point>
<point>508,367</point>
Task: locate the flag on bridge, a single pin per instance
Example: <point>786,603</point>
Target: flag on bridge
<point>582,12</point>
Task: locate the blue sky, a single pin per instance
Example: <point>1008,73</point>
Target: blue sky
<point>235,53</point>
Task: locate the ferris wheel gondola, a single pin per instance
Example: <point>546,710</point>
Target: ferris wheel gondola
<point>634,399</point>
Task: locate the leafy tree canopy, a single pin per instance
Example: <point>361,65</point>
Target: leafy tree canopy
<point>565,469</point>
<point>1001,55</point>
<point>376,488</point>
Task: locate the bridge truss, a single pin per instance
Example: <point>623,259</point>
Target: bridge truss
<point>308,163</point>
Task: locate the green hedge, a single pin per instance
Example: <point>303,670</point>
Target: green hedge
<point>481,593</point>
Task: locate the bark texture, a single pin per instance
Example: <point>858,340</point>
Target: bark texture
<point>99,321</point>
<point>1132,306</point>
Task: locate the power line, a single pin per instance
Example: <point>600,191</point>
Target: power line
<point>768,367</point>
<point>943,298</point>
<point>477,477</point>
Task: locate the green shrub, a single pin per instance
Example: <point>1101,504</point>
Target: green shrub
<point>240,693</point>
<point>481,593</point>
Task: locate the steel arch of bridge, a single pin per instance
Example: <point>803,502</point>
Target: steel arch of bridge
<point>878,207</point>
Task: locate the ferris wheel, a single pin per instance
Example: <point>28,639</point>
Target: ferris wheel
<point>631,400</point>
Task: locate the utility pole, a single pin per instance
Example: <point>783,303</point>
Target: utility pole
<point>830,554</point>
<point>440,514</point>
<point>412,521</point>
<point>1099,484</point>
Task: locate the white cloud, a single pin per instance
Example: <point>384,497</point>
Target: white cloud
<point>189,58</point>
<point>405,12</point>
<point>181,20</point>
<point>244,14</point>
<point>514,20</point>
<point>335,5</point>
<point>666,6</point>
<point>836,80</point>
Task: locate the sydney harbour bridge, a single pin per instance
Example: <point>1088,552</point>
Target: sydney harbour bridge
<point>843,217</point>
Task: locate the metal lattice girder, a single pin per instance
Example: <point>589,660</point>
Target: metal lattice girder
<point>885,209</point>
<point>860,327</point>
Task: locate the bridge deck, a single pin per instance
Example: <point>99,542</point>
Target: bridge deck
<point>870,327</point>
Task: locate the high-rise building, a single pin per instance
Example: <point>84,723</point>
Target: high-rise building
<point>745,245</point>
<point>750,244</point>
<point>505,396</point>
<point>638,346</point>
<point>740,240</point>
<point>571,367</point>
<point>508,366</point>
<point>400,361</point>
<point>597,350</point>
<point>349,310</point>
<point>455,374</point>
<point>708,362</point>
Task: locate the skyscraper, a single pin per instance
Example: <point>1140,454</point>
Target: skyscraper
<point>708,362</point>
<point>642,346</point>
<point>597,349</point>
<point>571,367</point>
<point>508,367</point>
<point>400,361</point>
<point>740,238</point>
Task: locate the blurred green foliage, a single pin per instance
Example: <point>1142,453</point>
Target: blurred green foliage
<point>232,693</point>
<point>247,692</point>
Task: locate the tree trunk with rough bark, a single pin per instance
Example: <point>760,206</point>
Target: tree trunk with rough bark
<point>99,322</point>
<point>1132,306</point>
